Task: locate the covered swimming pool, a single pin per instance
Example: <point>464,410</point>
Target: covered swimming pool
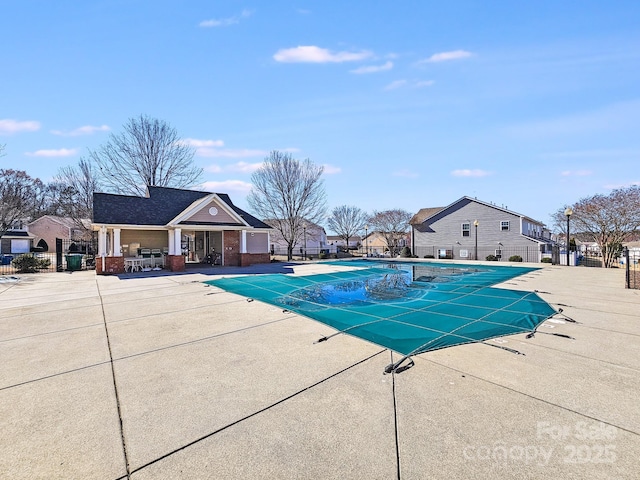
<point>408,307</point>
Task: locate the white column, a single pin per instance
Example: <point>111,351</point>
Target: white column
<point>243,242</point>
<point>172,242</point>
<point>177,241</point>
<point>116,243</point>
<point>102,241</point>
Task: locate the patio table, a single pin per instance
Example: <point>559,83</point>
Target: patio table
<point>133,264</point>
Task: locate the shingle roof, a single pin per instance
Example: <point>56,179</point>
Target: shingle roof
<point>423,214</point>
<point>17,234</point>
<point>160,206</point>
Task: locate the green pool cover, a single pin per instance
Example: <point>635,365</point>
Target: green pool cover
<point>410,308</point>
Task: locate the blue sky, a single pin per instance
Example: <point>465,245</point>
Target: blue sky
<point>410,104</point>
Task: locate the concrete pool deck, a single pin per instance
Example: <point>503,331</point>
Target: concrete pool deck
<point>160,376</point>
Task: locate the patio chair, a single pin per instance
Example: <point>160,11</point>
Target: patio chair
<point>156,253</point>
<point>147,259</point>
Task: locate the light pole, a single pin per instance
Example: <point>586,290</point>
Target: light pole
<point>475,253</point>
<point>366,240</point>
<point>568,212</point>
<point>304,229</point>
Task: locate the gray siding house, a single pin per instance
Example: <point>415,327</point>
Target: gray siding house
<point>470,229</point>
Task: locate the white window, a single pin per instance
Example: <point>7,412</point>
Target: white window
<point>504,226</point>
<point>466,229</point>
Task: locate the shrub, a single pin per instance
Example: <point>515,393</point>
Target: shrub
<point>429,256</point>
<point>322,255</point>
<point>30,264</point>
<point>515,258</point>
<point>405,252</point>
<point>491,258</point>
<point>546,260</point>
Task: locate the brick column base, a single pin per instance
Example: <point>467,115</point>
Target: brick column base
<point>112,265</point>
<point>175,263</point>
<point>247,259</point>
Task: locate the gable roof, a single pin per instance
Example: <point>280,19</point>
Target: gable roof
<point>159,207</point>
<point>426,213</point>
<point>17,234</point>
<point>64,221</point>
<point>423,214</point>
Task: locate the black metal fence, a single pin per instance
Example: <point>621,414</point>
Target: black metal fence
<point>632,270</point>
<point>70,255</point>
<point>485,253</point>
<point>31,262</point>
<point>299,253</point>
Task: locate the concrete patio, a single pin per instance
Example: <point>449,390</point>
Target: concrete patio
<point>160,376</point>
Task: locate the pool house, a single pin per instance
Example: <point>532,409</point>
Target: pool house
<point>172,228</point>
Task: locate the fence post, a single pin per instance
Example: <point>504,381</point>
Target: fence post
<point>627,268</point>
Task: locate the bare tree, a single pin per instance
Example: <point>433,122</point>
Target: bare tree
<point>347,222</point>
<point>392,225</point>
<point>148,152</point>
<point>287,192</point>
<point>20,197</point>
<point>607,220</point>
<point>76,186</point>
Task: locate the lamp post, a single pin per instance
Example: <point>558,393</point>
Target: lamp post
<point>475,253</point>
<point>304,229</point>
<point>568,212</point>
<point>366,240</point>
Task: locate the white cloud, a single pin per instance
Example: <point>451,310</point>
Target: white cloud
<point>405,173</point>
<point>227,186</point>
<point>61,152</point>
<point>614,186</point>
<point>614,117</point>
<point>373,68</point>
<point>194,142</point>
<point>445,56</point>
<point>330,169</point>
<point>396,84</point>
<point>240,167</point>
<point>9,126</point>
<point>576,173</point>
<point>230,153</point>
<point>84,130</point>
<point>470,173</point>
<point>411,84</point>
<point>244,167</point>
<point>313,54</point>
<point>596,153</point>
<point>424,83</point>
<point>225,22</point>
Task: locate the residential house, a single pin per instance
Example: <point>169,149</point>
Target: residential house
<point>16,241</point>
<point>340,244</point>
<point>471,229</point>
<point>49,227</point>
<point>374,244</point>
<point>187,226</point>
<point>312,239</point>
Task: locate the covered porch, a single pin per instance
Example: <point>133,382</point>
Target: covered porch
<point>129,249</point>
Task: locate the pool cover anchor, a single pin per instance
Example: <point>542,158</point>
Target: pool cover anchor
<point>562,335</point>
<point>395,367</point>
